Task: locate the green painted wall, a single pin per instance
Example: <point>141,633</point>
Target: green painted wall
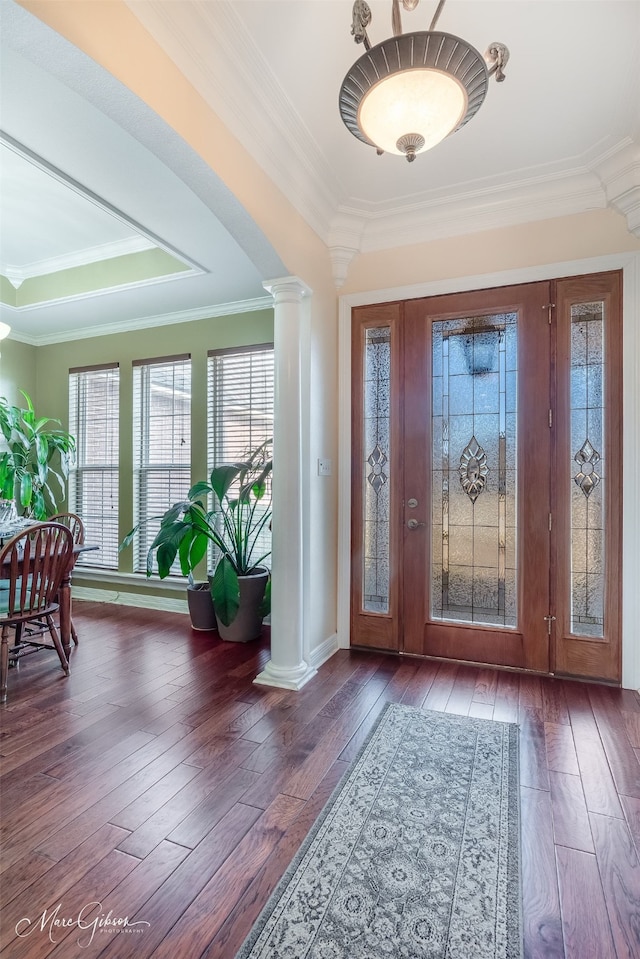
<point>44,372</point>
<point>7,292</point>
<point>17,371</point>
<point>117,271</point>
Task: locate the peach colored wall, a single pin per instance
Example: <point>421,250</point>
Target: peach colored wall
<point>584,235</point>
<point>108,32</point>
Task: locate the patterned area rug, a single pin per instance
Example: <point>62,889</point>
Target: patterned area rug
<point>415,855</point>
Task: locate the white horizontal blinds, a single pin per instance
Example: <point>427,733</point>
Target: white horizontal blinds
<point>161,444</point>
<point>240,410</point>
<point>94,401</point>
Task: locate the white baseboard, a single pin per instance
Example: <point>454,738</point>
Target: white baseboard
<point>323,652</point>
<point>139,600</point>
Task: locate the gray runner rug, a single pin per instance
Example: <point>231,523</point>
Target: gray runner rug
<point>415,856</point>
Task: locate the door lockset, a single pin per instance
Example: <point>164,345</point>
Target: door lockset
<point>413,524</point>
<point>412,503</point>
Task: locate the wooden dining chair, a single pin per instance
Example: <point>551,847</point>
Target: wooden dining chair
<point>76,526</point>
<point>32,565</point>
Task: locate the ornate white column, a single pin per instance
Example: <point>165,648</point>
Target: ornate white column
<point>287,667</point>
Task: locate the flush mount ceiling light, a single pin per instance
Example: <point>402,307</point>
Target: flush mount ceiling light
<point>411,91</point>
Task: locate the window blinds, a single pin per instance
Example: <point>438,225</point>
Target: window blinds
<point>93,481</point>
<point>161,444</point>
<point>240,408</point>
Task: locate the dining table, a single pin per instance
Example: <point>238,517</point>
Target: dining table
<point>15,526</point>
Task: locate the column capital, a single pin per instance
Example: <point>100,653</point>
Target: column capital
<point>287,289</point>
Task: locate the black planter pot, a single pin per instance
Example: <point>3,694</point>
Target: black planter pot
<point>200,605</point>
<point>247,624</point>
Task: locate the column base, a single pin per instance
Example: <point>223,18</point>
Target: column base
<point>283,678</point>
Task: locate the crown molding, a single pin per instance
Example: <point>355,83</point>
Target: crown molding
<point>619,174</point>
<point>210,45</point>
<point>610,179</point>
<point>95,254</point>
<point>597,181</point>
<point>228,69</point>
<point>475,211</point>
<point>146,322</point>
<point>14,275</point>
<point>102,291</point>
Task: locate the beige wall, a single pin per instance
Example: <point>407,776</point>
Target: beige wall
<point>596,233</point>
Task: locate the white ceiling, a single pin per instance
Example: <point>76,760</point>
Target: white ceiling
<point>67,221</point>
<point>560,135</point>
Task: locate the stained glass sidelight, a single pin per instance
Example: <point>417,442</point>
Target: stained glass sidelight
<point>474,412</point>
<point>376,486</point>
<point>587,469</point>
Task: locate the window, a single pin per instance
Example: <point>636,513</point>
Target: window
<point>240,408</point>
<point>93,482</point>
<point>161,443</point>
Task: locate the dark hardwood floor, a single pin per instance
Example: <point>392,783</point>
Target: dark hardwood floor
<point>158,782</point>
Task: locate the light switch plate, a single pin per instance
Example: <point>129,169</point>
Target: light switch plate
<point>324,467</point>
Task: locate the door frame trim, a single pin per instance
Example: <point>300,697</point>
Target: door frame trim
<point>629,263</point>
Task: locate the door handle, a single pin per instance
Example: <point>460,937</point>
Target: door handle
<point>413,524</point>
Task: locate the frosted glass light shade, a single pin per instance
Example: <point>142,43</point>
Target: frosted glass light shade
<point>427,102</point>
<point>418,85</point>
<point>5,329</point>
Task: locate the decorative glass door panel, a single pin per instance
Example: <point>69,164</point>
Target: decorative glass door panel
<point>588,493</point>
<point>474,470</point>
<point>376,471</point>
<point>477,453</point>
<point>375,479</point>
<point>588,465</point>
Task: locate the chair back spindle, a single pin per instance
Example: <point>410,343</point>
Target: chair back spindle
<point>34,564</point>
<point>73,522</point>
<point>37,560</point>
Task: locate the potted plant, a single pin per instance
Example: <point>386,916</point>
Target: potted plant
<point>240,512</point>
<point>200,603</point>
<point>33,447</point>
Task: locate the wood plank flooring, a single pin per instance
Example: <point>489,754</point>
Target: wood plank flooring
<point>160,784</point>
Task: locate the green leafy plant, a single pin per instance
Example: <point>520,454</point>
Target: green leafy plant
<point>33,448</point>
<point>241,511</point>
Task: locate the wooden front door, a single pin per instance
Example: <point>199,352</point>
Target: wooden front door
<point>479,533</point>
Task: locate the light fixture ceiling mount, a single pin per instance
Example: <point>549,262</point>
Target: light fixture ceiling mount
<point>409,92</point>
